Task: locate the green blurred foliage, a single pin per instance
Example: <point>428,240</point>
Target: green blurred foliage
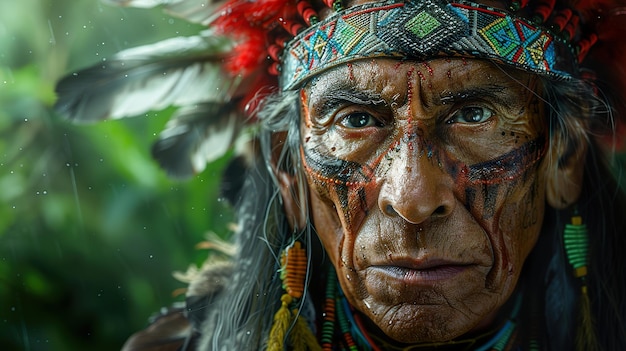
<point>90,228</point>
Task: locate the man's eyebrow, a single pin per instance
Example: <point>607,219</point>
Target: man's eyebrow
<point>341,94</point>
<point>496,92</point>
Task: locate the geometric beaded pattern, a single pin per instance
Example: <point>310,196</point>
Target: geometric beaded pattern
<point>420,30</point>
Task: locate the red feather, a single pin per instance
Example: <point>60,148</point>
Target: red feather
<point>248,55</point>
<point>253,25</point>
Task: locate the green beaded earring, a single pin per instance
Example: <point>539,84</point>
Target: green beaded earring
<point>576,242</point>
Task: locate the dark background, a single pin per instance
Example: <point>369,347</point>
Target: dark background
<point>90,228</point>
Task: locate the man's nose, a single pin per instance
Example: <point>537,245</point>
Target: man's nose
<point>416,188</point>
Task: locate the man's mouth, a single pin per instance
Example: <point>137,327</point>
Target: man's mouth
<point>421,272</point>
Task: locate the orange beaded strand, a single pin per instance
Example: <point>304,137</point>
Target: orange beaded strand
<point>294,262</point>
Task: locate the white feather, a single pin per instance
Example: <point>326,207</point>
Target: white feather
<point>178,87</point>
<point>141,3</point>
<point>195,11</point>
<point>220,141</point>
<point>178,71</point>
<point>178,46</point>
<point>197,135</point>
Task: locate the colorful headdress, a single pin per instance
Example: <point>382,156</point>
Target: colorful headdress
<point>421,30</point>
<point>252,48</point>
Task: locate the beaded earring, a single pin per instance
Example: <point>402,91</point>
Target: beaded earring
<point>292,272</point>
<point>575,238</point>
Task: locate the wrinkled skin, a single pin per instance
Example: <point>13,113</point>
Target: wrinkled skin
<point>427,188</point>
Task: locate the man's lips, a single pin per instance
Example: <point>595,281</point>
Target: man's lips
<point>419,272</point>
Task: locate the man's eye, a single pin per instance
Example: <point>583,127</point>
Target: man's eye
<point>359,120</point>
<point>471,114</point>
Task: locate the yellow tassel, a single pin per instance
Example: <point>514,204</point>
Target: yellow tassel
<point>586,336</point>
<point>302,338</point>
<point>293,271</point>
<point>282,321</point>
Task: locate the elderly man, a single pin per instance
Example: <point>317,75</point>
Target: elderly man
<point>426,177</point>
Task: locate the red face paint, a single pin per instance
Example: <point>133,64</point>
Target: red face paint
<point>426,189</point>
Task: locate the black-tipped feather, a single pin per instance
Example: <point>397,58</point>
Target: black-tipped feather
<point>196,11</point>
<point>195,136</point>
<point>185,72</point>
<point>143,3</point>
<point>179,71</point>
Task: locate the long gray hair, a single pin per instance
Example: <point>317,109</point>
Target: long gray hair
<point>241,317</point>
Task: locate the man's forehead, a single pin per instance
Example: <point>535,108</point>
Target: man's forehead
<point>371,78</point>
<point>389,77</point>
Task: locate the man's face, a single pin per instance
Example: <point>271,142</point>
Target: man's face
<point>426,188</point>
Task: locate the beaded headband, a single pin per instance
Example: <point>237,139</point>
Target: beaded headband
<point>421,30</point>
